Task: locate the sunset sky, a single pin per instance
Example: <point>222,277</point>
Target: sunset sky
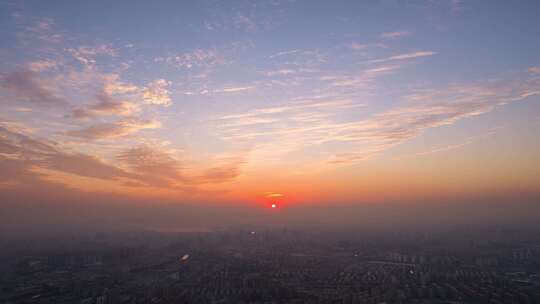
<point>254,102</point>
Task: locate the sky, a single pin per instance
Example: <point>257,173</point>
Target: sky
<point>241,104</point>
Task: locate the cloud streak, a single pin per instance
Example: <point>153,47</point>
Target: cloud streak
<point>161,169</point>
<point>27,86</point>
<point>405,56</point>
<point>24,159</point>
<point>106,105</point>
<point>22,156</point>
<point>371,136</point>
<point>116,129</point>
<point>395,35</point>
<point>199,58</point>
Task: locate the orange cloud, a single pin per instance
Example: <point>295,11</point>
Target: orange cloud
<point>116,129</point>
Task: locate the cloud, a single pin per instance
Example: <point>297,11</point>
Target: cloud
<point>280,72</point>
<point>245,23</point>
<point>246,17</point>
<point>535,70</point>
<point>86,54</point>
<point>42,25</point>
<point>233,89</point>
<point>363,46</point>
<point>25,161</point>
<point>156,167</point>
<point>287,128</point>
<point>42,30</point>
<point>430,109</point>
<point>198,58</point>
<point>365,78</point>
<point>112,85</point>
<point>284,128</point>
<point>42,65</point>
<point>84,165</point>
<point>394,127</point>
<point>157,93</point>
<point>271,194</point>
<point>446,148</point>
<point>112,98</point>
<point>405,56</point>
<point>347,158</point>
<point>288,108</point>
<point>412,55</point>
<point>116,129</point>
<point>284,53</point>
<point>106,105</point>
<point>21,156</point>
<point>226,171</point>
<point>395,35</point>
<point>160,168</point>
<point>27,86</point>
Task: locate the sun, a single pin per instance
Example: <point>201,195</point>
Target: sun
<point>274,205</point>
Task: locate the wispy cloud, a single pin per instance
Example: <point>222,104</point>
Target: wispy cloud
<point>317,105</point>
<point>369,137</point>
<point>365,78</point>
<point>280,72</point>
<point>430,109</point>
<point>245,22</point>
<point>405,56</point>
<point>42,30</point>
<point>289,71</point>
<point>250,17</point>
<point>395,35</point>
<point>444,148</point>
<point>412,55</point>
<point>24,155</point>
<point>28,86</point>
<point>156,167</point>
<point>199,58</point>
<point>233,89</point>
<point>157,93</point>
<point>106,105</point>
<point>284,53</point>
<point>160,168</point>
<point>239,21</point>
<point>271,194</point>
<point>299,59</point>
<point>42,65</point>
<point>364,46</point>
<point>225,170</point>
<point>27,160</point>
<point>535,70</point>
<point>116,129</point>
<point>86,54</point>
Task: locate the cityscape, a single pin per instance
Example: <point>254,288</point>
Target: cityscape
<point>275,266</point>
